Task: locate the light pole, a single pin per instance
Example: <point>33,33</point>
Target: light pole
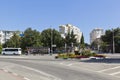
<point>72,47</point>
<point>51,43</point>
<point>113,42</point>
<point>65,47</point>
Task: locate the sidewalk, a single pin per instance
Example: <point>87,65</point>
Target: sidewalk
<point>6,75</point>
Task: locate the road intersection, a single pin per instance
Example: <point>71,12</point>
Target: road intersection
<point>38,67</point>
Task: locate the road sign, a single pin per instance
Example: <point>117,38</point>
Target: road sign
<point>54,45</point>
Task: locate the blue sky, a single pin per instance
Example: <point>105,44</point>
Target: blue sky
<point>41,14</point>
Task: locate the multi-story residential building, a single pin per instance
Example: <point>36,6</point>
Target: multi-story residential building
<point>96,34</point>
<point>68,28</point>
<point>6,35</point>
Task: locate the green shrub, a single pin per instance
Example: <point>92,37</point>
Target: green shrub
<point>76,52</point>
<point>71,55</point>
<point>65,57</point>
<point>87,53</point>
<point>93,54</point>
<point>0,49</point>
<point>56,57</point>
<point>100,55</point>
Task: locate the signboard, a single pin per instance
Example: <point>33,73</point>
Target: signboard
<point>54,45</point>
<point>21,35</point>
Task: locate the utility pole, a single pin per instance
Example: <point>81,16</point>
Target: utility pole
<point>113,42</point>
<point>51,43</point>
<point>65,47</point>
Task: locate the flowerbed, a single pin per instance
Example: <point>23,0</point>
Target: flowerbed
<point>80,56</point>
<point>100,56</point>
<point>74,56</point>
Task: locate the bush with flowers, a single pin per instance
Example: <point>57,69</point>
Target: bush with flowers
<point>82,54</point>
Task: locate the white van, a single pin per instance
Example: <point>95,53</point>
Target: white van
<point>11,51</point>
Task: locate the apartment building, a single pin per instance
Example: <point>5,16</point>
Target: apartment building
<point>96,34</point>
<point>6,35</point>
<point>68,28</point>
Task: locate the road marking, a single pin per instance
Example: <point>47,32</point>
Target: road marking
<point>15,74</point>
<point>41,72</point>
<point>61,63</point>
<point>26,78</point>
<point>115,73</point>
<point>108,69</point>
<point>69,64</point>
<point>12,57</point>
<point>5,70</point>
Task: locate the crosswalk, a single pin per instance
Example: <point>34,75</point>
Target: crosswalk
<point>107,69</point>
<point>114,71</point>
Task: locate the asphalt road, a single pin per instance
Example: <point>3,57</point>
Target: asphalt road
<point>35,69</point>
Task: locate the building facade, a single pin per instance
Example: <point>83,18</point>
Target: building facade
<point>68,28</point>
<point>6,35</point>
<point>96,34</point>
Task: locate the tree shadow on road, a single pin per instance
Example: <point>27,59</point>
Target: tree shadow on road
<point>106,60</point>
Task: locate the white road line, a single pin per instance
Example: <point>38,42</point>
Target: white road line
<point>43,73</point>
<point>12,57</point>
<point>5,70</point>
<point>108,69</point>
<point>61,63</point>
<point>15,74</point>
<point>26,78</point>
<point>69,64</point>
<point>115,73</point>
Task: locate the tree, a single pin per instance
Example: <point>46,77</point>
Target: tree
<point>57,39</point>
<point>82,43</point>
<point>104,47</point>
<point>70,40</point>
<point>108,39</point>
<point>73,39</point>
<point>14,41</point>
<point>96,44</point>
<point>117,40</point>
<point>87,45</point>
<point>51,36</point>
<point>0,48</point>
<point>31,38</point>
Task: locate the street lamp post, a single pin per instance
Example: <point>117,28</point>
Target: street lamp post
<point>65,47</point>
<point>51,42</point>
<point>113,42</point>
<point>72,47</point>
